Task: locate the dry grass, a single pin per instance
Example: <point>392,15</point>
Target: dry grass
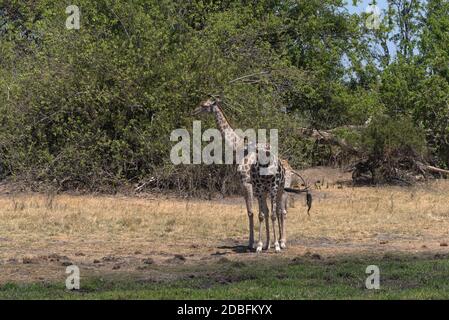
<point>38,232</point>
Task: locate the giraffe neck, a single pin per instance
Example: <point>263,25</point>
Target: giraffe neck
<point>231,138</point>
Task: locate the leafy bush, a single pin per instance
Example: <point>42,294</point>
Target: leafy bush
<point>94,108</point>
<point>391,146</point>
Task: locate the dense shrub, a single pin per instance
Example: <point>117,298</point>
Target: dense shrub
<point>93,108</point>
<point>391,147</point>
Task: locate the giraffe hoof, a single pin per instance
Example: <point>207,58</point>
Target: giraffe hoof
<point>283,245</point>
<point>259,249</point>
<point>277,248</point>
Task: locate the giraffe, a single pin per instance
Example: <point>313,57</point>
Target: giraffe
<point>252,181</point>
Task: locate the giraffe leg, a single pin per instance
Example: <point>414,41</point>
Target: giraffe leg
<point>263,213</point>
<point>260,244</point>
<point>274,210</point>
<point>248,194</point>
<point>282,214</point>
<point>267,222</point>
<point>285,201</point>
<point>282,209</point>
<point>279,224</point>
<point>267,230</point>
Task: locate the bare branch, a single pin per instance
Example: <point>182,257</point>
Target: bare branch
<point>248,76</point>
<point>328,138</point>
<point>426,167</point>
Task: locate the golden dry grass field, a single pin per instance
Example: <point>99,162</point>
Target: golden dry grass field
<point>41,235</point>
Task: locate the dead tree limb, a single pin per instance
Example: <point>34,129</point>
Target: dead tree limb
<point>426,167</point>
<point>329,137</point>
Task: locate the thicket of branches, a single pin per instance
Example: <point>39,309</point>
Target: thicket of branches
<point>93,108</point>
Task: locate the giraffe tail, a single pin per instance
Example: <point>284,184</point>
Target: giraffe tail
<point>309,198</point>
<point>292,190</point>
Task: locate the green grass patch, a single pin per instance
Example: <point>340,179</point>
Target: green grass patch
<point>401,277</point>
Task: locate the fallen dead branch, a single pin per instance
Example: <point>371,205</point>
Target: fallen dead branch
<point>405,167</point>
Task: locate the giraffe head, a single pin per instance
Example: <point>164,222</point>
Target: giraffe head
<point>207,105</point>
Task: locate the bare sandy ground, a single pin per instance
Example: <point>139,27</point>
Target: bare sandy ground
<point>40,235</point>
